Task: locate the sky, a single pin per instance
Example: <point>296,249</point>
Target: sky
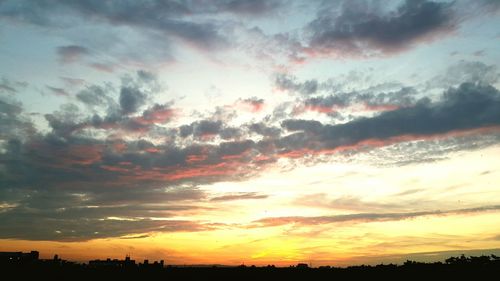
<point>256,132</point>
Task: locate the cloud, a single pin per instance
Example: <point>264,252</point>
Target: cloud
<point>104,67</point>
<point>247,7</point>
<point>126,165</point>
<point>6,88</point>
<point>13,124</point>
<point>469,106</point>
<point>465,71</point>
<point>131,99</point>
<point>95,95</point>
<point>158,113</point>
<point>205,129</point>
<point>346,203</point>
<point>262,129</point>
<point>11,87</point>
<point>73,82</point>
<point>366,100</point>
<point>254,104</point>
<point>164,17</point>
<point>239,196</point>
<point>58,91</point>
<point>71,53</point>
<point>366,217</point>
<point>30,226</point>
<point>287,82</point>
<point>361,28</point>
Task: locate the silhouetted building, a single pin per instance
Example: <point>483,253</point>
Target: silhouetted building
<point>155,264</point>
<point>113,263</point>
<point>18,257</point>
<point>302,265</point>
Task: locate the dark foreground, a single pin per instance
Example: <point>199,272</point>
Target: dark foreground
<point>458,268</point>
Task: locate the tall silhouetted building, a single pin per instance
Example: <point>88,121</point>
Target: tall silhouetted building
<point>18,257</point>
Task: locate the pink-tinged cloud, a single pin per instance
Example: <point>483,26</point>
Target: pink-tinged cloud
<point>327,109</point>
<point>372,33</point>
<point>119,146</point>
<point>108,68</point>
<point>380,107</point>
<point>376,143</point>
<point>73,154</point>
<point>321,109</point>
<point>152,150</point>
<point>158,114</point>
<point>252,104</point>
<point>199,173</point>
<point>239,155</point>
<point>366,217</point>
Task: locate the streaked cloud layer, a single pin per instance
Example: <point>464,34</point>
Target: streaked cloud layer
<point>250,131</point>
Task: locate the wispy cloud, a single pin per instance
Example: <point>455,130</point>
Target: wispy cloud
<point>239,196</point>
<point>72,53</point>
<point>365,217</point>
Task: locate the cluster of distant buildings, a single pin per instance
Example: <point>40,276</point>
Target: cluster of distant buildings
<point>20,258</point>
<point>33,256</point>
<point>126,263</point>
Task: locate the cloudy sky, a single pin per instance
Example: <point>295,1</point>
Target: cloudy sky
<point>256,132</point>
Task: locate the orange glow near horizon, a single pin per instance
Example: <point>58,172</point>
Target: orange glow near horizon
<point>233,238</point>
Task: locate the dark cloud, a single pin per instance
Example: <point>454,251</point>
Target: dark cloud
<point>366,217</point>
<point>165,17</point>
<point>239,196</point>
<point>71,53</point>
<point>264,130</point>
<point>207,127</point>
<point>11,87</point>
<point>131,99</point>
<point>185,130</point>
<point>203,128</point>
<point>13,124</point>
<point>235,148</point>
<point>360,28</point>
<point>65,121</point>
<point>367,99</point>
<point>117,168</point>
<point>158,113</point>
<point>95,95</point>
<point>230,133</point>
<point>146,76</point>
<point>32,226</point>
<point>58,91</point>
<point>312,126</point>
<point>287,82</point>
<point>135,90</point>
<point>6,88</point>
<point>247,7</point>
<point>469,106</point>
<point>136,236</point>
<point>352,82</point>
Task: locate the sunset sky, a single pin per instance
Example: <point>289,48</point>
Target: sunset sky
<point>257,132</point>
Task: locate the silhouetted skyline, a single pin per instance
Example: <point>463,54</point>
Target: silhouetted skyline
<point>250,131</point>
<point>24,265</point>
